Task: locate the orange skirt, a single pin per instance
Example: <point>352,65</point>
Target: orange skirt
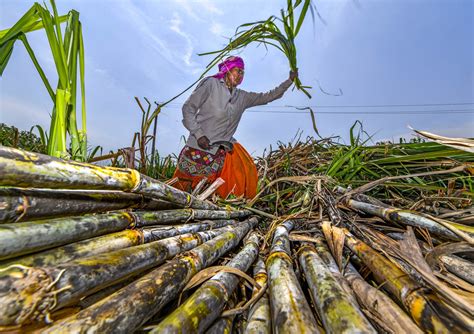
<point>239,173</point>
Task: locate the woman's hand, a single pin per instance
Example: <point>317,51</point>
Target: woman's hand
<point>204,142</point>
<point>293,75</point>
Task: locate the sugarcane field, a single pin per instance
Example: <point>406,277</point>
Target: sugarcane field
<point>345,205</point>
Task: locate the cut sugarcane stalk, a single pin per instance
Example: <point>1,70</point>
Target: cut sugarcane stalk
<point>110,242</point>
<point>23,238</point>
<point>26,169</point>
<point>458,266</point>
<point>386,313</point>
<point>336,308</point>
<point>426,309</point>
<point>32,292</point>
<point>205,305</point>
<point>259,319</point>
<point>98,245</point>
<point>405,217</point>
<point>165,217</point>
<point>221,326</point>
<point>32,204</point>
<point>130,307</point>
<point>290,310</point>
<point>161,232</point>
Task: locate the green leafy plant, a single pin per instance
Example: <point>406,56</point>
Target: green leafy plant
<point>26,140</point>
<point>68,55</point>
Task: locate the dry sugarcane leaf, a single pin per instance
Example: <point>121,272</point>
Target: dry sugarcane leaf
<point>409,245</point>
<point>463,144</point>
<point>411,254</point>
<point>457,282</point>
<point>446,249</point>
<point>465,236</point>
<point>294,236</point>
<point>296,179</point>
<point>208,273</point>
<point>335,238</point>
<point>247,305</point>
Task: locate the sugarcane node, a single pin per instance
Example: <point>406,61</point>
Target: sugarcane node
<point>23,208</point>
<point>278,254</point>
<point>136,179</point>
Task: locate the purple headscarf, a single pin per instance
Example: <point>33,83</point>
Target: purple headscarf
<point>228,64</point>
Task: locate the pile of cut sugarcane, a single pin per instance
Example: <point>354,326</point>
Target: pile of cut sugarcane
<point>93,249</point>
<point>96,249</point>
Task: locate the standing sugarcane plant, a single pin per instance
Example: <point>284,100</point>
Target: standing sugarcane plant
<point>67,51</point>
<point>269,33</point>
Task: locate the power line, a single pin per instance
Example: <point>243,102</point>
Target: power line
<point>379,112</point>
<point>391,112</point>
<point>359,106</point>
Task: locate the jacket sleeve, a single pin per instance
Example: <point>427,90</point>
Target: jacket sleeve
<point>193,104</point>
<point>252,99</point>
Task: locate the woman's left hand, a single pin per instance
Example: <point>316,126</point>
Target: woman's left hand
<point>293,75</point>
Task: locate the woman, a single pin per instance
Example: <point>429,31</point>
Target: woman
<point>212,114</point>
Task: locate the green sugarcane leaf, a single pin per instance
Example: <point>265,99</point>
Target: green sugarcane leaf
<point>28,19</point>
<point>42,135</point>
<point>82,78</point>
<point>304,10</point>
<point>32,55</point>
<point>6,50</point>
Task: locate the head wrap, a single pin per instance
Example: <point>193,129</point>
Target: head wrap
<point>228,64</point>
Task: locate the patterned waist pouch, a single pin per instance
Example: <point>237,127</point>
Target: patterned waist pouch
<point>194,162</point>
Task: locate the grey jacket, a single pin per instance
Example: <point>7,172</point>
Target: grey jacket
<point>214,112</point>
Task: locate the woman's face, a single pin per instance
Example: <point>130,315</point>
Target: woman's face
<point>235,76</point>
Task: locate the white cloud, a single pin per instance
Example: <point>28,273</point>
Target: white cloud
<point>186,5</point>
<point>176,24</point>
<point>199,6</point>
<point>144,24</point>
<point>216,28</point>
<point>210,7</point>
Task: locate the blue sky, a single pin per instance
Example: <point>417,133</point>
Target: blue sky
<point>378,52</point>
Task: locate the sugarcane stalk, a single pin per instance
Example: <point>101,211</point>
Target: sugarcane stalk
<point>386,313</point>
<point>290,310</point>
<point>165,217</point>
<point>405,217</point>
<point>24,169</point>
<point>259,319</point>
<point>31,204</point>
<point>110,242</point>
<point>336,308</point>
<point>458,266</point>
<point>23,238</point>
<point>153,233</point>
<point>32,297</point>
<point>425,308</point>
<point>107,291</point>
<point>156,189</point>
<point>205,305</point>
<point>89,247</point>
<point>325,254</point>
<point>222,325</point>
<point>151,292</point>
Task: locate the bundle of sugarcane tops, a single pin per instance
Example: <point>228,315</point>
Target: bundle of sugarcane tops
<point>93,249</point>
